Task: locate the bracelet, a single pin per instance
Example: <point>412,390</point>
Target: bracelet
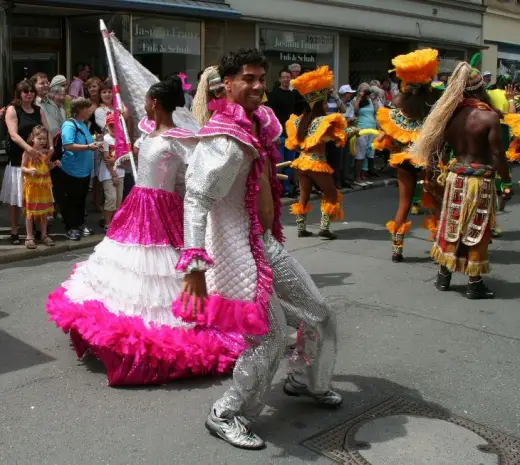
<point>511,100</point>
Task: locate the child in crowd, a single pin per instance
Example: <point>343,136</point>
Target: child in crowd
<point>111,178</point>
<point>38,201</point>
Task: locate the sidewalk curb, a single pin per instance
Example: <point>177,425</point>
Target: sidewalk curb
<point>18,255</point>
<point>387,182</point>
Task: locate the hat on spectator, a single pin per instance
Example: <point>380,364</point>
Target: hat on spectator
<point>58,80</point>
<point>487,73</point>
<point>346,89</point>
<point>295,67</point>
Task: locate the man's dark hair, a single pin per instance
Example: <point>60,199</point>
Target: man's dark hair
<point>78,67</point>
<point>284,70</point>
<point>232,62</point>
<point>199,74</point>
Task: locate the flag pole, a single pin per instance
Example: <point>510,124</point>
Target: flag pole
<point>117,93</point>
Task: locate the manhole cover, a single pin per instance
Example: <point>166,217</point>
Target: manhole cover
<point>403,432</point>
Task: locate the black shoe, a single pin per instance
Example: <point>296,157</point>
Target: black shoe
<point>443,282</point>
<point>478,290</point>
<point>73,235</point>
<point>305,233</point>
<point>327,235</point>
<point>397,258</point>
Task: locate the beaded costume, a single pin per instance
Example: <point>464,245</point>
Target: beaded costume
<point>117,304</point>
<point>252,281</point>
<point>468,216</point>
<point>469,204</point>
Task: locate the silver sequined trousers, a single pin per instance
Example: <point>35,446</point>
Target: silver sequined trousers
<point>312,363</point>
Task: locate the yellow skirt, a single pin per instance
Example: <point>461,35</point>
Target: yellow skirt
<point>312,162</point>
<point>37,197</point>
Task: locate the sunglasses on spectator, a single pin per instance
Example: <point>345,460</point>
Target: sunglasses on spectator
<point>28,91</point>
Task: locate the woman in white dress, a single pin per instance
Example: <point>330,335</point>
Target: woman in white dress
<point>117,304</point>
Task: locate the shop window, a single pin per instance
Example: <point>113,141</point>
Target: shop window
<point>86,44</point>
<point>165,46</point>
<point>282,48</point>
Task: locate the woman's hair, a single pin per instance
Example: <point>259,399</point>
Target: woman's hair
<point>37,130</point>
<point>427,145</point>
<point>203,96</point>
<point>21,87</point>
<point>79,104</point>
<point>55,90</point>
<point>363,102</point>
<point>309,115</point>
<point>93,80</point>
<point>375,83</point>
<point>106,84</point>
<point>168,93</point>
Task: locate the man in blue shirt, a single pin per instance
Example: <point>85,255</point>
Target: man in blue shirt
<point>77,165</point>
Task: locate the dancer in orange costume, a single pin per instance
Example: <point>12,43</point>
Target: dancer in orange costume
<point>309,134</point>
<point>401,126</point>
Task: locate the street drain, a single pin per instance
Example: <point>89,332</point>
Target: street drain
<point>405,432</point>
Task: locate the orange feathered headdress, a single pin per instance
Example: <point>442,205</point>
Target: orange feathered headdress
<point>314,85</point>
<point>513,121</point>
<point>419,67</point>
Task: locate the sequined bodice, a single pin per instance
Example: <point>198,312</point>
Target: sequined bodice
<point>161,164</point>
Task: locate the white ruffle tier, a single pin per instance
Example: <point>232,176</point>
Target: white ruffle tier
<point>130,279</point>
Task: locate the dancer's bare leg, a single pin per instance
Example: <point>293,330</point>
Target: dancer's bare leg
<point>331,202</point>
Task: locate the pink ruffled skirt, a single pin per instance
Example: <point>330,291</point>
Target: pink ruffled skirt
<point>118,304</point>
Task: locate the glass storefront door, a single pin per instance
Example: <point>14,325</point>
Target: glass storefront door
<point>86,44</point>
<point>25,64</point>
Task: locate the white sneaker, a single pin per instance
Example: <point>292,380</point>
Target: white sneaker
<point>295,389</point>
<point>232,428</point>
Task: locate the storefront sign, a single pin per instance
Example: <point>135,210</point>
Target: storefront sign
<point>297,57</point>
<point>298,42</point>
<point>154,36</point>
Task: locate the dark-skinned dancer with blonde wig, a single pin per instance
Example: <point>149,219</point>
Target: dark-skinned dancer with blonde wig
<point>464,119</point>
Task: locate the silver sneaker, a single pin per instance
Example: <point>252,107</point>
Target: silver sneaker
<point>233,429</point>
<point>296,389</point>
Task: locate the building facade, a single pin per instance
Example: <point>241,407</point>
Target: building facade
<point>358,38</point>
<point>53,35</point>
<point>502,38</point>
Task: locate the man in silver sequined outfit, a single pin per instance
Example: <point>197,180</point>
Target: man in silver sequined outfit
<point>216,220</point>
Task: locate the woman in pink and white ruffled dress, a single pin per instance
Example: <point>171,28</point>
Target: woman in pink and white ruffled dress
<point>117,304</point>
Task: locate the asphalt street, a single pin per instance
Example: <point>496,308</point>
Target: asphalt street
<point>398,336</point>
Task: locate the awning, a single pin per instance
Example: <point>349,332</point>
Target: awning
<point>216,9</point>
